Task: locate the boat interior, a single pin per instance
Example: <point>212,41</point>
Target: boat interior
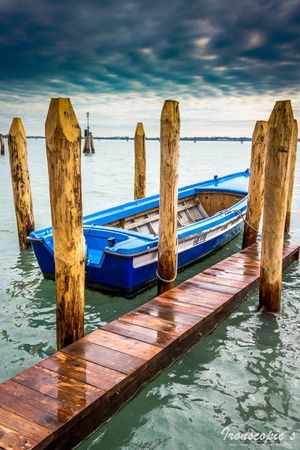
<point>191,209</point>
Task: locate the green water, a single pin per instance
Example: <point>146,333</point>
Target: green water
<point>243,377</point>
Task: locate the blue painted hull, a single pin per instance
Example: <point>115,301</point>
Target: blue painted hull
<point>130,265</point>
<point>131,280</point>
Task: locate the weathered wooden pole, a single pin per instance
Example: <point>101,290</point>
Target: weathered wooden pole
<point>63,154</point>
<point>139,162</point>
<point>17,146</point>
<point>256,183</point>
<point>2,149</point>
<point>169,159</point>
<point>88,147</point>
<point>292,177</point>
<point>279,141</point>
<point>88,144</point>
<point>92,143</point>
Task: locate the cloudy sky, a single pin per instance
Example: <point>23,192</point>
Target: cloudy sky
<point>225,61</point>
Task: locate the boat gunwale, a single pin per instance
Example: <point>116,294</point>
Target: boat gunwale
<point>122,211</point>
<point>180,240</point>
<point>138,243</point>
<point>195,188</point>
<point>204,226</point>
<point>183,189</point>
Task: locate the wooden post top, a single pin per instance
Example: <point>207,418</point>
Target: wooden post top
<point>170,111</point>
<point>62,116</point>
<point>139,131</point>
<point>17,127</point>
<point>282,114</point>
<point>260,126</point>
<point>170,122</point>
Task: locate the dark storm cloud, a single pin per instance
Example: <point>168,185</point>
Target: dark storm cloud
<point>161,46</point>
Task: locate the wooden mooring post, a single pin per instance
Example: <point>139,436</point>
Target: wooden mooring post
<point>2,148</point>
<point>17,146</point>
<point>293,158</point>
<point>139,162</point>
<point>256,183</point>
<point>88,142</point>
<point>63,154</point>
<point>279,147</point>
<point>169,159</point>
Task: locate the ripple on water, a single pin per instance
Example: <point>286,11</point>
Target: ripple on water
<point>244,376</point>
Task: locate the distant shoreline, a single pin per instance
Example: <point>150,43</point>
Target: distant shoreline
<point>193,139</point>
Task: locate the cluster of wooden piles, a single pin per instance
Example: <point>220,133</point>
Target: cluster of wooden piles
<point>88,147</point>
<point>271,184</point>
<point>173,321</point>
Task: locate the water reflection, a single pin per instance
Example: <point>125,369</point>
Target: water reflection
<point>242,376</point>
<point>246,374</point>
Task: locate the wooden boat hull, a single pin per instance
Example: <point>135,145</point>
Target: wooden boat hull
<point>130,265</point>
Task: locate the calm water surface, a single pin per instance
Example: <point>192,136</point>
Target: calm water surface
<point>243,377</point>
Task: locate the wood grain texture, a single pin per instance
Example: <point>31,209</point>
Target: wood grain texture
<point>293,158</point>
<point>229,275</point>
<point>169,161</point>
<point>279,146</point>
<point>84,371</point>
<point>22,425</point>
<point>22,407</point>
<point>63,140</point>
<point>104,356</point>
<point>180,306</point>
<point>123,344</point>
<point>11,439</point>
<point>171,314</point>
<point>58,386</point>
<point>139,162</point>
<point>140,333</point>
<point>17,145</point>
<point>55,404</point>
<point>155,323</point>
<point>256,183</point>
<point>192,289</point>
<point>236,269</point>
<point>214,202</point>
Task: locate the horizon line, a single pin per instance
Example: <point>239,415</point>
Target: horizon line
<point>150,138</point>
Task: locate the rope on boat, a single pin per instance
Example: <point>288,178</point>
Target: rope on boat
<point>176,268</point>
<point>226,212</point>
<point>242,216</point>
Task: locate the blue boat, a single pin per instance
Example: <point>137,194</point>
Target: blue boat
<point>122,242</point>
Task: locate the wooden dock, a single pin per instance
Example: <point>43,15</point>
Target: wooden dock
<point>59,401</point>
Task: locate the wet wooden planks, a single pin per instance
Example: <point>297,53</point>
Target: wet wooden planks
<point>62,399</point>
